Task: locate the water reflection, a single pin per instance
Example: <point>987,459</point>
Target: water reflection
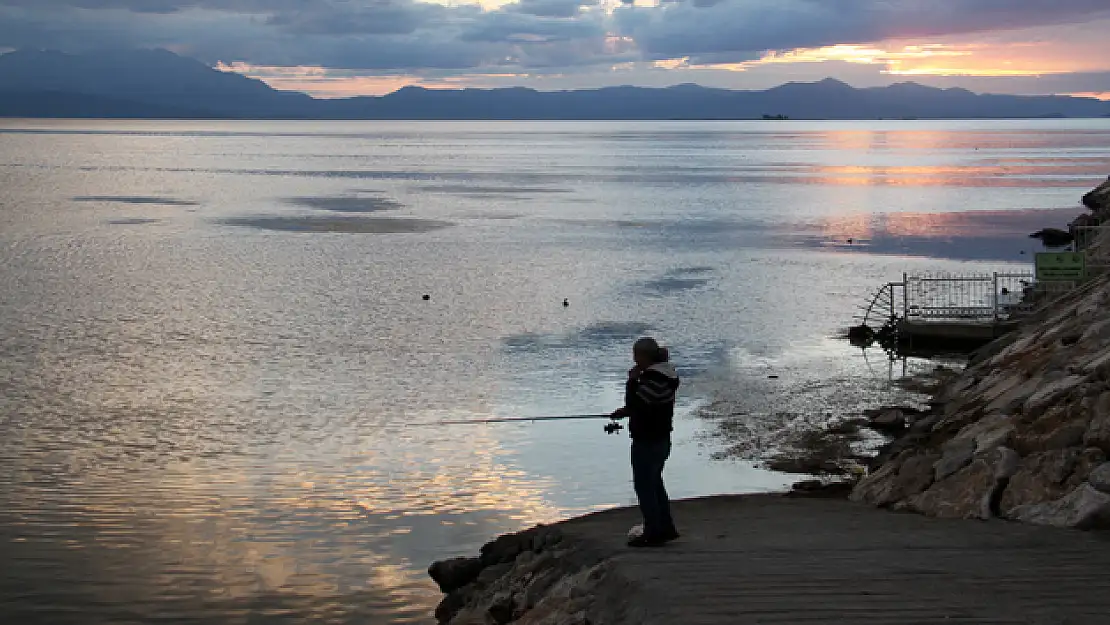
<point>972,235</point>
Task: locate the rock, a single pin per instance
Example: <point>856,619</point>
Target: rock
<point>1089,459</point>
<point>805,465</point>
<point>451,605</point>
<point>890,421</point>
<point>1098,430</point>
<point>1083,508</point>
<point>965,495</point>
<point>493,573</point>
<point>1096,362</point>
<point>1011,395</point>
<point>1050,394</point>
<point>1100,478</point>
<point>507,547</point>
<point>848,427</point>
<point>808,485</point>
<point>551,539</point>
<point>906,476</point>
<point>1096,334</point>
<point>1040,478</point>
<point>1061,427</point>
<point>957,454</point>
<point>501,608</point>
<point>925,424</point>
<point>994,348</point>
<point>1098,199</point>
<point>1067,435</point>
<point>1006,462</point>
<point>820,489</point>
<point>450,575</point>
<point>987,433</point>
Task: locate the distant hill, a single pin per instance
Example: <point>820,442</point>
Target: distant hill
<point>160,84</point>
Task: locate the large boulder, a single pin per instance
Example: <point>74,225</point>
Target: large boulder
<point>1084,508</point>
<point>907,475</point>
<point>1098,430</point>
<point>889,421</point>
<point>1100,478</point>
<point>1040,477</point>
<point>1049,394</point>
<point>956,454</point>
<point>451,575</point>
<point>965,495</point>
<point>1098,199</point>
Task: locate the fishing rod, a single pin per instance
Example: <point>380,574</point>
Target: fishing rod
<point>610,428</point>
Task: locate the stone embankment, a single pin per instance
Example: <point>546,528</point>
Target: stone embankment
<point>1024,432</point>
<point>535,577</point>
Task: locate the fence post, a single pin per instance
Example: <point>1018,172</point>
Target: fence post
<point>994,296</point>
<point>905,294</point>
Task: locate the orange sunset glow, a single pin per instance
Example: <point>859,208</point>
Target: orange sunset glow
<point>905,60</point>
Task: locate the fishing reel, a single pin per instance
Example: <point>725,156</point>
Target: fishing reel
<point>613,427</point>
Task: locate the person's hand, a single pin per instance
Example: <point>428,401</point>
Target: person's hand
<point>619,413</point>
<point>634,372</point>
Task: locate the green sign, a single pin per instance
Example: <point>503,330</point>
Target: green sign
<point>1061,266</point>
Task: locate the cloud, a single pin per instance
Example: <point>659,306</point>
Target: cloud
<point>516,27</point>
<point>414,38</point>
<point>379,18</point>
<point>696,28</point>
<point>551,8</point>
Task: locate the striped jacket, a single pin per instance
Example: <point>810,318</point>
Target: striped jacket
<point>649,398</point>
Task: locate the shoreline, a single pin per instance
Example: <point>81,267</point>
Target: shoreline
<point>780,559</point>
<point>1018,439</point>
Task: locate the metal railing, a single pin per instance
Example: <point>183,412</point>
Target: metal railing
<point>963,298</point>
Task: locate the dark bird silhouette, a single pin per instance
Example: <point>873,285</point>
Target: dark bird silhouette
<point>427,297</point>
<point>566,302</point>
<point>1053,237</point>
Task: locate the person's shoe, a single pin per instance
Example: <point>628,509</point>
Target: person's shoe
<point>670,535</point>
<point>646,541</point>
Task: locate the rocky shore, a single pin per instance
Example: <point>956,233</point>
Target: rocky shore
<point>1024,432</point>
<point>536,577</point>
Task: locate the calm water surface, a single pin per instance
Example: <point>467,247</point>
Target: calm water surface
<point>214,351</point>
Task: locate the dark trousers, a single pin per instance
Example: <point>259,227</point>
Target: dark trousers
<point>648,458</point>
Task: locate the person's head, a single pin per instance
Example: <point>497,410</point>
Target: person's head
<point>647,352</point>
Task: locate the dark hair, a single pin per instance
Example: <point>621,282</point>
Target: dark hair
<point>648,346</point>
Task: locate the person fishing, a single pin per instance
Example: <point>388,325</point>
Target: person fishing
<point>649,398</point>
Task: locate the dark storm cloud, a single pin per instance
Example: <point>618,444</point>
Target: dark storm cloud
<point>503,26</point>
<point>379,18</point>
<point>407,35</point>
<point>698,27</point>
<point>551,8</point>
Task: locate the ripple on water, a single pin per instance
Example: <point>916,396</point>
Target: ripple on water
<point>136,221</point>
<point>134,199</point>
<point>353,225</point>
<point>348,204</point>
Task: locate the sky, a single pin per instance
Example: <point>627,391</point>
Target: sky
<point>339,48</point>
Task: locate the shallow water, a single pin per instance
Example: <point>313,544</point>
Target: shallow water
<point>215,346</point>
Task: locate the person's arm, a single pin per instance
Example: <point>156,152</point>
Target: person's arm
<point>622,412</point>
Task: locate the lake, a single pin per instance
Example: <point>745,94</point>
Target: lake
<point>220,376</point>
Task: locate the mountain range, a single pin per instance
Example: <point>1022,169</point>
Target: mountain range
<point>160,84</point>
